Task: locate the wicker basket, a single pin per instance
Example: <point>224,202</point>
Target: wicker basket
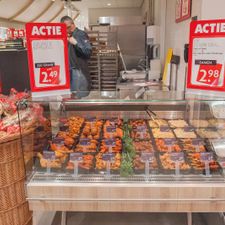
<point>10,150</point>
<point>12,195</point>
<point>19,215</point>
<point>12,171</point>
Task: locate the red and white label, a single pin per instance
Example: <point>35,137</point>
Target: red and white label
<point>48,56</point>
<point>207,56</point>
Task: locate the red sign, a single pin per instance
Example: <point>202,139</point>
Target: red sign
<point>14,33</point>
<point>207,56</point>
<point>48,56</point>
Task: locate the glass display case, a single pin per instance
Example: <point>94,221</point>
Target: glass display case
<point>127,155</point>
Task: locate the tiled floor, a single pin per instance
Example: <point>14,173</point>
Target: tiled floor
<point>137,219</point>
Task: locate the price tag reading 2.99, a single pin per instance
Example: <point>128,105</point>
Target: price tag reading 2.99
<point>50,75</point>
<point>209,74</point>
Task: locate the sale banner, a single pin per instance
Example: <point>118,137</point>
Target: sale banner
<point>48,58</point>
<point>206,66</point>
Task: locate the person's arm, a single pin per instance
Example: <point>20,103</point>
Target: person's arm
<point>82,45</point>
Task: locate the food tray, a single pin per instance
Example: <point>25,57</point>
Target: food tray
<point>144,143</point>
<point>208,133</point>
<point>218,109</point>
<point>202,171</point>
<point>113,171</point>
<point>180,133</point>
<point>187,145</point>
<point>118,144</point>
<point>175,146</point>
<point>178,123</point>
<point>198,123</point>
<point>153,170</point>
<point>82,169</point>
<point>172,171</point>
<point>139,135</point>
<point>155,123</point>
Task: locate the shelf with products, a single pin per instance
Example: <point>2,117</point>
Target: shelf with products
<point>101,144</point>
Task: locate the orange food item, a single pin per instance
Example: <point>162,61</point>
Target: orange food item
<point>162,147</point>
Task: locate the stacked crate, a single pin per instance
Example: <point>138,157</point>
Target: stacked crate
<point>103,64</point>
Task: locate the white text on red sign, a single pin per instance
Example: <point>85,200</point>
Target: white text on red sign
<point>210,28</point>
<point>46,30</point>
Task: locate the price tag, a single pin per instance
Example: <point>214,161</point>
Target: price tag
<point>58,141</point>
<point>206,156</point>
<point>164,129</point>
<point>147,156</point>
<point>188,129</point>
<point>111,129</point>
<point>209,74</point>
<point>85,141</point>
<point>91,119</point>
<point>197,142</point>
<point>50,75</point>
<point>108,157</point>
<point>141,129</point>
<point>170,142</point>
<point>49,155</point>
<point>110,142</point>
<point>76,157</point>
<point>177,156</point>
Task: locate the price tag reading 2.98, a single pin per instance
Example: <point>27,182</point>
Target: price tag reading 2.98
<point>209,74</point>
<point>50,75</point>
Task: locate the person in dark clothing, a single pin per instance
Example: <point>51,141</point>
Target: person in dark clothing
<point>80,51</point>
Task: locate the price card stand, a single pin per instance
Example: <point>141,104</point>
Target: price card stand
<point>207,157</point>
<point>75,158</point>
<point>108,158</point>
<point>177,158</point>
<point>110,143</point>
<point>147,158</point>
<point>206,64</point>
<point>142,131</point>
<point>196,143</point>
<point>48,59</point>
<point>49,156</point>
<point>111,130</point>
<point>169,143</point>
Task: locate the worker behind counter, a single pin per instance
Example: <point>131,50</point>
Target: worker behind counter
<point>80,51</point>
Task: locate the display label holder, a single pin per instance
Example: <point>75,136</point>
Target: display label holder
<point>196,143</point>
<point>75,158</point>
<point>177,158</point>
<point>169,143</point>
<point>109,158</point>
<point>206,158</point>
<point>110,143</point>
<point>111,130</point>
<point>49,156</point>
<point>147,158</point>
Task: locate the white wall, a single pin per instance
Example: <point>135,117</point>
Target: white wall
<point>94,14</point>
<point>177,34</point>
<point>213,9</point>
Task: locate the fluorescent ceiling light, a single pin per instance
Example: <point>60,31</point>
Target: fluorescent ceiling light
<point>109,4</point>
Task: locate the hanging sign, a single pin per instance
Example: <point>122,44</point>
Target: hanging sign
<point>48,58</point>
<point>207,56</point>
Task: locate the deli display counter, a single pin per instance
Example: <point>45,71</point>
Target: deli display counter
<point>114,155</point>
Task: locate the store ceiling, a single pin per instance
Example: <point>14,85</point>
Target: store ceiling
<point>52,11</point>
